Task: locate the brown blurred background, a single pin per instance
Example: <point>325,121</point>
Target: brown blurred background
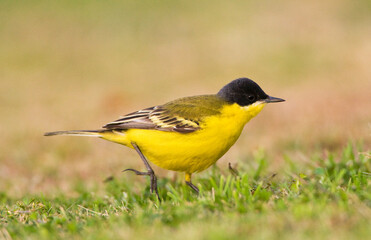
<point>80,64</point>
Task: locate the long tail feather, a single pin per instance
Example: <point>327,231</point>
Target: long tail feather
<point>85,133</point>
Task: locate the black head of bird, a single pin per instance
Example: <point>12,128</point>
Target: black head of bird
<point>244,92</point>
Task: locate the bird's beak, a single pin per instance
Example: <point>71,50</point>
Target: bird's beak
<point>273,100</point>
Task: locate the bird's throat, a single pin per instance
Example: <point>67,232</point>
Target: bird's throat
<point>253,109</point>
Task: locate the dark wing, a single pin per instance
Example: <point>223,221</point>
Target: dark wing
<point>157,118</point>
<point>183,115</point>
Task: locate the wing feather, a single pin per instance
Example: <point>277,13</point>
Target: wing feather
<point>182,115</point>
<point>153,118</point>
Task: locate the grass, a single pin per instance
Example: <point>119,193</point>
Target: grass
<point>328,198</point>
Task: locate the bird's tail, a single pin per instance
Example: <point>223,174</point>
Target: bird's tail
<point>85,133</point>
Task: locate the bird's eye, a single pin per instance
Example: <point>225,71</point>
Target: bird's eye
<point>251,98</point>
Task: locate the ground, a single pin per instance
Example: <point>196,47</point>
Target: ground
<point>328,198</point>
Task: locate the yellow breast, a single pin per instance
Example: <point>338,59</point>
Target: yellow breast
<point>191,152</point>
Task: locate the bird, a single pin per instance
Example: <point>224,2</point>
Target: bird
<point>188,134</point>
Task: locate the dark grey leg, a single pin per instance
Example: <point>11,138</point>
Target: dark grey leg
<point>193,187</point>
<point>149,172</point>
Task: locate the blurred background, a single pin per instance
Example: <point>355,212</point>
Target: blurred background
<point>80,64</point>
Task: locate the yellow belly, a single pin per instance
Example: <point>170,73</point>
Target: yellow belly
<point>190,152</point>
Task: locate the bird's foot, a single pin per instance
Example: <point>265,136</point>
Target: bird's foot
<point>193,187</point>
<point>152,176</point>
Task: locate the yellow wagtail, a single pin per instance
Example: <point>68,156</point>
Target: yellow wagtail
<point>188,134</point>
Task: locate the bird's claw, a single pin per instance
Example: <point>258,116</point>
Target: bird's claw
<point>137,172</point>
<point>153,178</point>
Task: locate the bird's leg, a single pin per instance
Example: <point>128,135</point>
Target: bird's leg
<point>149,172</point>
<point>189,183</point>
